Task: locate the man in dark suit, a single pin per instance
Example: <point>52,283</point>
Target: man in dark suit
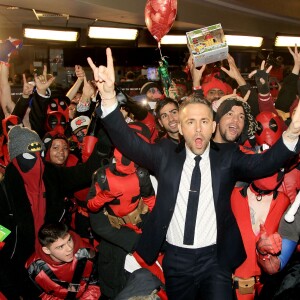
<point>197,266</point>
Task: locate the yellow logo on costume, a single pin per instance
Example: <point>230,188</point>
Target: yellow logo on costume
<point>34,147</point>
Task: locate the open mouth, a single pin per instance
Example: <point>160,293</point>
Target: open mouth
<point>173,125</point>
<point>233,130</point>
<point>198,143</point>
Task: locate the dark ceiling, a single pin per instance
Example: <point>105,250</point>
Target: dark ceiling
<point>248,17</point>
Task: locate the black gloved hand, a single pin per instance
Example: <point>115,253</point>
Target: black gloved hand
<point>263,88</point>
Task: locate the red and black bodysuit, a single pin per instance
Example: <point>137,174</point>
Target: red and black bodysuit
<point>55,278</point>
<point>119,199</point>
<point>123,189</point>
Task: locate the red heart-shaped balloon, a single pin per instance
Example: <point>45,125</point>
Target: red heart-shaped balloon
<point>160,16</point>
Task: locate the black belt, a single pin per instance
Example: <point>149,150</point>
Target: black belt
<point>177,249</point>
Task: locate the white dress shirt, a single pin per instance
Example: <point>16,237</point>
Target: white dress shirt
<point>206,224</point>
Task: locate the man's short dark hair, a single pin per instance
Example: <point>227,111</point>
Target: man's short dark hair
<point>162,103</point>
<point>51,232</point>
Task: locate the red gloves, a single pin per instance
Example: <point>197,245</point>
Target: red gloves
<point>89,143</point>
<point>101,198</point>
<point>268,247</point>
<point>91,293</point>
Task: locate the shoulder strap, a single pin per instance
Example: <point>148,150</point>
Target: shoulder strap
<point>243,191</point>
<point>82,257</point>
<point>39,265</point>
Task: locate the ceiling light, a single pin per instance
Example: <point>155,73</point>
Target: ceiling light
<point>112,33</point>
<point>51,34</point>
<point>174,40</point>
<point>244,41</point>
<point>286,41</point>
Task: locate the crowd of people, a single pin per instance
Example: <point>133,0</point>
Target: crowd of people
<point>190,195</point>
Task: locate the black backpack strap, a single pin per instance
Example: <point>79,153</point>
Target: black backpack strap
<point>39,265</point>
<point>243,191</point>
<point>82,256</point>
<point>10,204</point>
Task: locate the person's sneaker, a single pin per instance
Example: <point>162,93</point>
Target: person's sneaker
<point>7,47</point>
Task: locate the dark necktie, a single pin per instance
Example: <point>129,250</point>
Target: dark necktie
<point>192,206</point>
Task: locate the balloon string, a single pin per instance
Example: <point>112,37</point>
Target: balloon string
<point>160,51</point>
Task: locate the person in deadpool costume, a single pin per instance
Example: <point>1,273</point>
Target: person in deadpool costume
<point>58,257</point>
<point>257,208</point>
<point>119,201</point>
<point>57,144</point>
<point>7,124</point>
<point>56,121</point>
<point>270,129</point>
<point>123,188</point>
<point>59,105</point>
<point>263,206</point>
<point>32,192</point>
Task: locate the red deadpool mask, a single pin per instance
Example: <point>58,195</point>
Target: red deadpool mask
<point>123,164</point>
<point>274,88</point>
<point>9,122</point>
<point>60,105</point>
<point>269,128</point>
<point>56,121</point>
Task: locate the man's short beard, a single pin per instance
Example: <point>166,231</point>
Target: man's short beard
<point>223,135</point>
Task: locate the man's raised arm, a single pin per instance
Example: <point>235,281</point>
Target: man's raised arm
<point>291,135</point>
<point>105,80</point>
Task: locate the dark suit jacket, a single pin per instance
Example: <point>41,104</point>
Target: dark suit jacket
<point>165,160</point>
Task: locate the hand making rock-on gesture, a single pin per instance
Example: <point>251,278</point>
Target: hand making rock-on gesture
<point>105,79</point>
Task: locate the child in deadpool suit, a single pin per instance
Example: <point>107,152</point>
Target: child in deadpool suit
<point>59,257</point>
<point>123,189</point>
<point>119,201</point>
